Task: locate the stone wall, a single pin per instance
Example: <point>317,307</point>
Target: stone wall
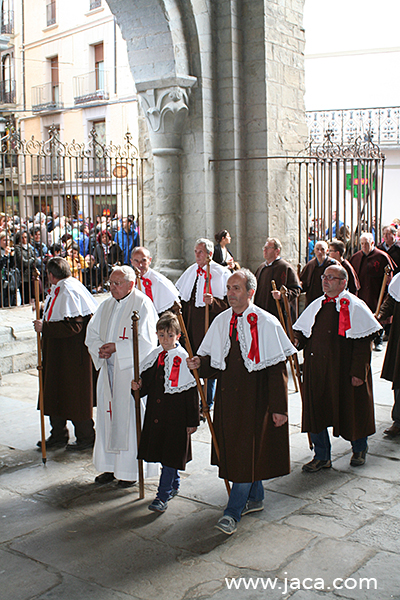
<point>222,87</point>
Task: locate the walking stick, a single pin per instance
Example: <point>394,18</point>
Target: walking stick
<point>178,311</point>
<point>382,293</point>
<point>136,393</point>
<point>36,276</point>
<point>207,317</point>
<point>283,291</point>
<point>138,278</point>
<point>282,320</point>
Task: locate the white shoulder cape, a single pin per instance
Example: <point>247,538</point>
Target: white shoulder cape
<point>163,290</point>
<point>394,287</point>
<point>68,299</point>
<point>219,277</point>
<point>274,345</point>
<point>186,379</point>
<point>362,321</point>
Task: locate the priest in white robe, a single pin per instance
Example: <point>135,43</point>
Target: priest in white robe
<point>109,340</point>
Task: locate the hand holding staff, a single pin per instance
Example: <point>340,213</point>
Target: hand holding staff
<point>282,320</point>
<point>206,411</point>
<point>135,340</point>
<point>382,292</point>
<point>36,275</point>
<point>138,278</point>
<point>283,291</point>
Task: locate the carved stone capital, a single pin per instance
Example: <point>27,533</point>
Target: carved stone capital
<point>166,110</point>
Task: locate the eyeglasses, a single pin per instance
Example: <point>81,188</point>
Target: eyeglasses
<point>329,277</point>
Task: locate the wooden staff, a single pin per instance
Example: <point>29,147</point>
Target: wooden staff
<point>207,315</point>
<point>136,393</point>
<point>178,311</point>
<point>282,320</point>
<point>382,293</point>
<point>36,276</point>
<point>283,291</point>
<point>138,278</point>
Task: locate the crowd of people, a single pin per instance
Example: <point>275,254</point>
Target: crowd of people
<point>234,335</point>
<point>91,249</point>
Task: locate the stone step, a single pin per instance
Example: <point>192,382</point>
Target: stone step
<point>18,340</point>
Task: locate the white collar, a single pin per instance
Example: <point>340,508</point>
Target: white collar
<point>273,344</point>
<point>186,379</point>
<point>394,287</point>
<point>363,322</point>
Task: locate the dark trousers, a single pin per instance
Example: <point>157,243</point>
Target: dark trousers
<point>84,430</point>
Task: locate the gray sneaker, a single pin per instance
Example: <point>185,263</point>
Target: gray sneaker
<point>227,525</point>
<point>252,506</point>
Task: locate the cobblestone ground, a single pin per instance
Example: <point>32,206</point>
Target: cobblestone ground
<point>333,534</point>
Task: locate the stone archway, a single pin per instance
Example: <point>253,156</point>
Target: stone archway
<point>221,85</point>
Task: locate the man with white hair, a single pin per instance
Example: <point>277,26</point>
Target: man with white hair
<point>369,263</point>
<point>310,276</point>
<point>192,286</point>
<point>109,339</point>
<point>156,286</point>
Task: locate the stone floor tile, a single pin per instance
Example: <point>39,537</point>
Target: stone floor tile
<point>376,467</point>
<point>72,588</point>
<point>22,578</point>
<point>382,533</point>
<point>327,559</point>
<point>384,568</point>
<point>268,550</point>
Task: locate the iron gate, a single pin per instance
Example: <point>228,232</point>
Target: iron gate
<point>60,188</point>
<point>343,186</point>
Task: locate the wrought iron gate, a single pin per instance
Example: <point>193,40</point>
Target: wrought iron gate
<point>67,186</point>
<point>343,185</point>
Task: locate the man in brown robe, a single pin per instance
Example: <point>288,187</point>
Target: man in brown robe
<point>336,334</point>
<point>337,250</point>
<point>250,416</point>
<point>389,244</point>
<point>67,366</point>
<point>391,365</point>
<point>277,269</point>
<point>369,264</point>
<point>310,275</point>
<point>192,286</point>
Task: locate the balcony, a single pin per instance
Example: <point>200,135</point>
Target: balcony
<point>347,125</point>
<point>7,22</point>
<point>47,97</point>
<point>7,92</point>
<point>91,87</point>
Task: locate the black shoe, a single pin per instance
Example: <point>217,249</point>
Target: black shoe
<point>53,442</point>
<point>104,478</point>
<point>378,347</point>
<point>79,446</point>
<point>125,484</point>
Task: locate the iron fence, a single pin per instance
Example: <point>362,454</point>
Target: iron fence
<point>84,201</point>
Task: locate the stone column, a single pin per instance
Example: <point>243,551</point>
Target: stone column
<point>166,109</point>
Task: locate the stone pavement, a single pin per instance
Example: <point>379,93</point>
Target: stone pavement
<point>64,538</point>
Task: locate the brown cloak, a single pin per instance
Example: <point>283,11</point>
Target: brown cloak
<point>282,273</point>
<point>370,270</point>
<point>251,447</point>
<point>67,369</point>
<point>164,437</point>
<point>330,361</point>
<point>391,365</point>
<point>310,277</point>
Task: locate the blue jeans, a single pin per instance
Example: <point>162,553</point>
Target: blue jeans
<point>211,385</point>
<point>240,493</point>
<point>322,445</point>
<point>169,479</point>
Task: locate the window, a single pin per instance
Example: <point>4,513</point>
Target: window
<point>7,17</point>
<point>95,4</point>
<point>55,88</point>
<point>7,80</point>
<point>51,12</point>
<point>99,66</point>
